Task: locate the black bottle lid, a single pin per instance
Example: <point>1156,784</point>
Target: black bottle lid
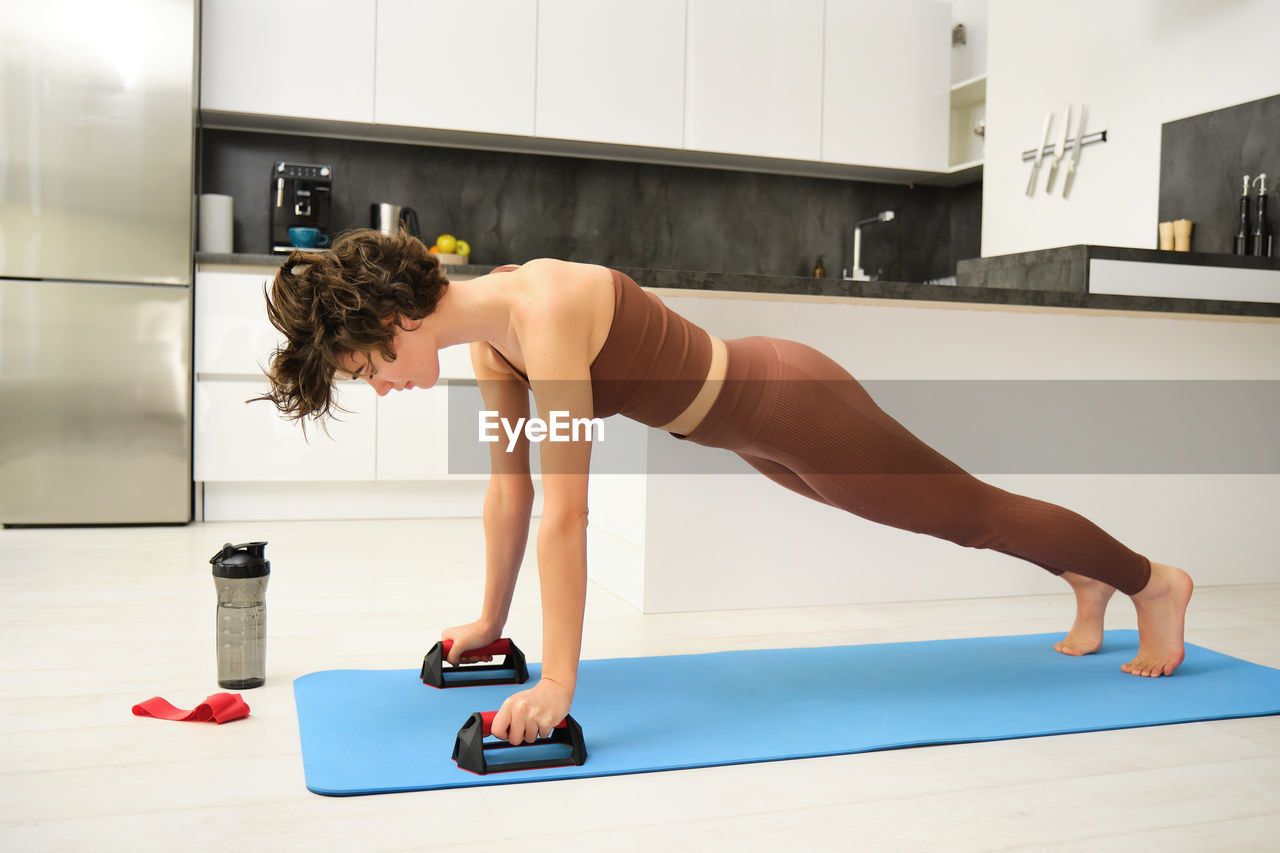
<point>247,560</point>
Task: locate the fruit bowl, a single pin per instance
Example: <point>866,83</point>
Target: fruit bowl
<point>456,260</point>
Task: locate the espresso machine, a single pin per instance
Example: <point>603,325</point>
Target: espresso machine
<point>301,197</point>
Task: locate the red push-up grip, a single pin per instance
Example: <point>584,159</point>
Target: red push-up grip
<point>497,647</point>
<point>512,670</point>
<point>486,717</point>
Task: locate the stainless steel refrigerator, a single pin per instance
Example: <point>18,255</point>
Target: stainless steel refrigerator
<point>97,139</point>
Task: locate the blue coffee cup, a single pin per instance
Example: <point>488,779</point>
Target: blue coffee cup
<point>308,238</point>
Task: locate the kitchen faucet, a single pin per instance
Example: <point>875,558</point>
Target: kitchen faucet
<point>857,273</point>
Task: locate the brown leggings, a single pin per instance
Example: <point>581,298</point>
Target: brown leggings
<point>801,420</point>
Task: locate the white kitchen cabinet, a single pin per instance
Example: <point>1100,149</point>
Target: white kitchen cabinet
<point>863,83</point>
<point>753,82</point>
<point>413,426</point>
<point>232,333</point>
<point>413,435</point>
<point>612,71</point>
<point>400,437</point>
<point>239,442</point>
<point>887,89</point>
<point>304,58</point>
<point>457,66</point>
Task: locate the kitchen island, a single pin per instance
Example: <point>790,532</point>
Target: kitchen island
<point>676,527</point>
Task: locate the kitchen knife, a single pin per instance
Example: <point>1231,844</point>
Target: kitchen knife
<point>1075,155</point>
<point>1035,167</point>
<point>1059,150</point>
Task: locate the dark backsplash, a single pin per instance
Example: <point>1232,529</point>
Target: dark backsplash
<point>513,207</point>
<point>1202,159</point>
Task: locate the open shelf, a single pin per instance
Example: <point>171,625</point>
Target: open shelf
<point>968,107</point>
<point>969,93</point>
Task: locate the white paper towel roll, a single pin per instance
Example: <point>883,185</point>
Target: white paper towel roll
<point>215,223</point>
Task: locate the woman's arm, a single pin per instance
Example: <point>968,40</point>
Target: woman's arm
<point>508,502</point>
<point>507,507</point>
<point>556,355</point>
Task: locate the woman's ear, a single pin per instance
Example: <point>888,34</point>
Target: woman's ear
<point>404,324</point>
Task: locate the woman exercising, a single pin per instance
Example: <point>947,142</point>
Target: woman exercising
<point>590,343</point>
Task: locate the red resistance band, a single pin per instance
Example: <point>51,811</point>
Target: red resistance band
<point>220,708</point>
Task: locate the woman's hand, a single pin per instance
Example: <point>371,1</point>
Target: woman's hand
<point>531,714</point>
<point>477,635</point>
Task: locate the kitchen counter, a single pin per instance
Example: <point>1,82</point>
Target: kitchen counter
<point>1053,278</point>
<point>275,260</point>
<point>1092,271</point>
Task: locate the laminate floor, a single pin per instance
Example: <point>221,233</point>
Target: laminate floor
<point>94,620</point>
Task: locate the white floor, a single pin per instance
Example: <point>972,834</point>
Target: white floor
<point>95,620</point>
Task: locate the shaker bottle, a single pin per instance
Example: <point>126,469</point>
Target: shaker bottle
<point>240,573</point>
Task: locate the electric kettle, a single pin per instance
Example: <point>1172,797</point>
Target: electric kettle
<point>388,218</point>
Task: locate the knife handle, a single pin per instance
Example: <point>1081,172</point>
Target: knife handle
<point>1069,178</point>
<point>1035,167</point>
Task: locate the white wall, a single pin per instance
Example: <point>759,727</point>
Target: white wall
<point>1135,64</point>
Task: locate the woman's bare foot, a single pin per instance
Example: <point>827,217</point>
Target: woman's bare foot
<point>1085,636</point>
<point>1162,610</point>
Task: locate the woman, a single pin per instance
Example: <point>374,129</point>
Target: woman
<point>590,343</point>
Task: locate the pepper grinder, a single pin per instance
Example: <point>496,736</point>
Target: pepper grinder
<point>1242,230</point>
<point>1261,229</point>
<point>240,574</point>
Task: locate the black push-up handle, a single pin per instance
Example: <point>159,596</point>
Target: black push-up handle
<point>470,748</point>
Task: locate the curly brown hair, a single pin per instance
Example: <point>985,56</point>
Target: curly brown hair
<point>350,299</point>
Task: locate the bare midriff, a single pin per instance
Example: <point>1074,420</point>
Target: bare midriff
<point>688,420</point>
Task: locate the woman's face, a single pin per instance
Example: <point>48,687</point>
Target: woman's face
<point>416,365</point>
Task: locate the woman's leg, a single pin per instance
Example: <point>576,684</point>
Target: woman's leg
<point>1092,597</point>
<point>824,428</point>
<point>783,476</point>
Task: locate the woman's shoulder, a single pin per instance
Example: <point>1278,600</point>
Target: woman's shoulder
<point>553,267</point>
<point>554,281</point>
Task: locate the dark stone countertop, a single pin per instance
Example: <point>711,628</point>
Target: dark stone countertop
<point>1117,253</point>
<point>275,260</point>
<point>1061,296</point>
<point>1066,270</point>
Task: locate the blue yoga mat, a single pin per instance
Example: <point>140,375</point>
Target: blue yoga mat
<point>366,732</point>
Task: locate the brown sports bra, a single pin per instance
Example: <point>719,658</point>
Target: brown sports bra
<point>652,364</point>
